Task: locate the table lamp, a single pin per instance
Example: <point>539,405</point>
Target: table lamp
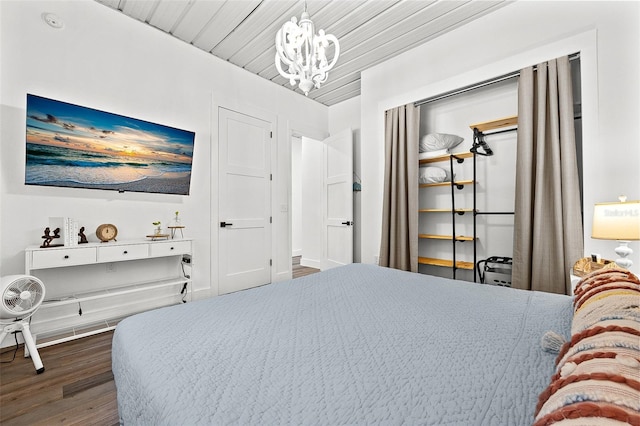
<point>618,221</point>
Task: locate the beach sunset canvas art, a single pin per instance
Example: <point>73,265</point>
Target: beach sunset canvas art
<point>73,146</point>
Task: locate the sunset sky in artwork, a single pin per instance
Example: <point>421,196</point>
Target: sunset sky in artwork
<point>56,123</point>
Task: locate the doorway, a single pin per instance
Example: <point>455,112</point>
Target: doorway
<point>322,200</point>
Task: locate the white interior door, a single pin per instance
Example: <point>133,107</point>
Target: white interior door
<point>338,200</point>
<point>244,202</point>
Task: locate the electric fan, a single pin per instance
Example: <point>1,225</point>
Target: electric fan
<point>20,296</point>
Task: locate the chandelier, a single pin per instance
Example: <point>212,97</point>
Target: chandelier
<point>303,53</point>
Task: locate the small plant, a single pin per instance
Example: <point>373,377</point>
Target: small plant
<point>157,223</point>
<point>158,230</point>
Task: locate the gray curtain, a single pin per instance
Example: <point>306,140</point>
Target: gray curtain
<point>399,245</point>
<point>548,236</point>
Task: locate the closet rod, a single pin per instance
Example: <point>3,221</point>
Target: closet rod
<point>481,213</point>
<point>500,131</point>
<point>479,85</point>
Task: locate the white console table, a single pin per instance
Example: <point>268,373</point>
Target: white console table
<point>90,287</point>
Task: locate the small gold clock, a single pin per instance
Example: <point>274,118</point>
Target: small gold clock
<point>106,232</point>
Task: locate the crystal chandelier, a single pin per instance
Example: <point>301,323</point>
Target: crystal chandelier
<point>303,53</point>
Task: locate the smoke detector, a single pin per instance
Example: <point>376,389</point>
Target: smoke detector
<point>53,20</point>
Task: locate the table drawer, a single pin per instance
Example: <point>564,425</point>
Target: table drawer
<point>56,258</point>
<point>123,252</point>
<point>170,248</point>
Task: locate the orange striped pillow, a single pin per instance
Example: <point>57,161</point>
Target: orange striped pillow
<point>597,378</point>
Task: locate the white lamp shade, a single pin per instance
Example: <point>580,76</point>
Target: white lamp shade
<point>616,221</point>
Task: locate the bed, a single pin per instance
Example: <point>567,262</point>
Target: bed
<point>359,344</point>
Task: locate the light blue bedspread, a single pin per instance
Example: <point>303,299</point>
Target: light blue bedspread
<point>355,345</point>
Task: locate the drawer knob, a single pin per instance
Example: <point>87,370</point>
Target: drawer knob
<point>66,256</point>
<point>125,252</point>
<point>171,248</point>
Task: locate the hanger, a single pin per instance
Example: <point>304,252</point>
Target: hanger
<point>479,142</point>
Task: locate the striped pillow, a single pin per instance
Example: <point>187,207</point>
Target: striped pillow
<point>597,378</point>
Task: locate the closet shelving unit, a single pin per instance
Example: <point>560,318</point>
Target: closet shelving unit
<point>480,131</point>
<point>454,184</point>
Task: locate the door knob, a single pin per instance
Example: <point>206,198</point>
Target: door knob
<point>348,223</point>
<point>225,224</point>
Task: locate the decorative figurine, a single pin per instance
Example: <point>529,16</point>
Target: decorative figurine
<point>48,238</point>
<point>83,238</point>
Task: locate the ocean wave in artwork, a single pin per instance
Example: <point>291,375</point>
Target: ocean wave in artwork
<point>57,164</point>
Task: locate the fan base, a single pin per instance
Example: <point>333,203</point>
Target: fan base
<point>23,326</point>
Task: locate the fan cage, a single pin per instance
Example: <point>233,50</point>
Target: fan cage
<point>21,296</point>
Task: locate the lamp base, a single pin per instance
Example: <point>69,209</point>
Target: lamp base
<point>623,250</point>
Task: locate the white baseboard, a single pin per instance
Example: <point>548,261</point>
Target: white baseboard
<point>202,293</point>
<point>310,263</point>
<point>283,276</point>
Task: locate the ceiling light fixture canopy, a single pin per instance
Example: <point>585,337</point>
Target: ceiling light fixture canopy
<point>303,53</point>
<point>53,20</point>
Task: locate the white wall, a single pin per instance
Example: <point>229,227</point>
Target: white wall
<point>105,60</point>
<point>522,34</point>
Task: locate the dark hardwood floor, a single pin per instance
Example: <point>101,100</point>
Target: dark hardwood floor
<point>77,386</point>
<point>301,271</point>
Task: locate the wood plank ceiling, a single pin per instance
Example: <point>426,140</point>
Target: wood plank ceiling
<point>369,31</point>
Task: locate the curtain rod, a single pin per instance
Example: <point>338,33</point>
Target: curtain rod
<point>478,85</point>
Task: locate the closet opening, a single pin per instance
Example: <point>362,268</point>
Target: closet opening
<point>492,232</point>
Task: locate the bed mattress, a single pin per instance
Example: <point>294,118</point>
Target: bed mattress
<point>359,344</point>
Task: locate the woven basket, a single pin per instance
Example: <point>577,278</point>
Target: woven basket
<point>585,266</point>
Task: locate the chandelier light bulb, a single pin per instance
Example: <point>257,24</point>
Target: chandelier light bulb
<point>301,54</point>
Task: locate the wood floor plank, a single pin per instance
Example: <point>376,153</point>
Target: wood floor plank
<point>76,387</point>
<point>86,383</point>
<point>95,406</point>
<point>299,270</point>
